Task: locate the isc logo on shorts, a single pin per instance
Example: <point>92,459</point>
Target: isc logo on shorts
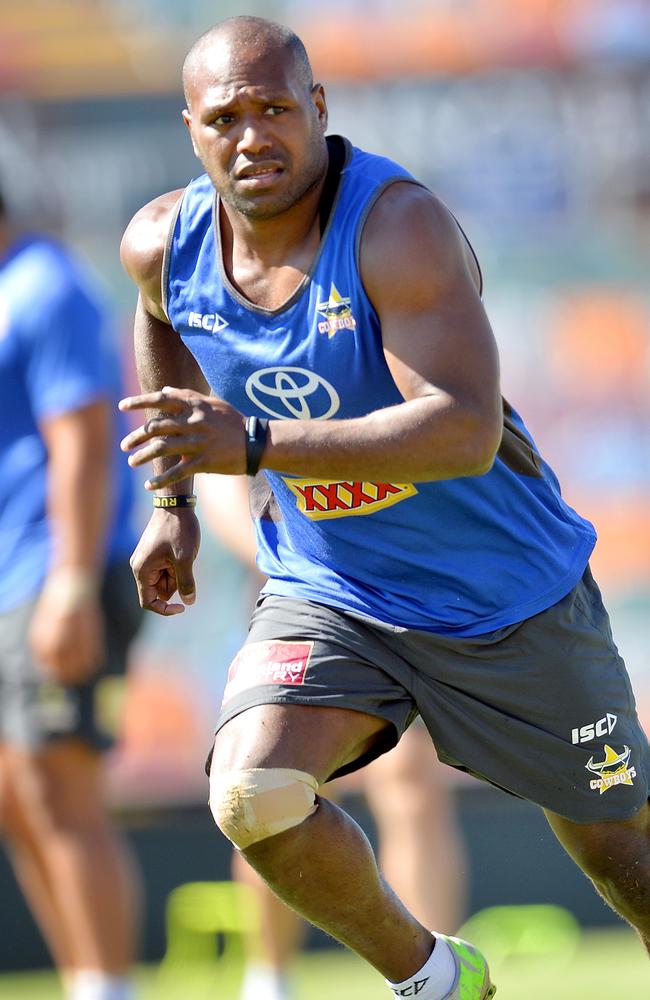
<point>327,498</point>
<point>590,732</point>
<point>269,662</point>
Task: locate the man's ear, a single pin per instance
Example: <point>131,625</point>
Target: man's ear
<point>187,118</point>
<point>318,97</point>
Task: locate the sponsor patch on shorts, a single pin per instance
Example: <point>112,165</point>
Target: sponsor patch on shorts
<point>268,662</point>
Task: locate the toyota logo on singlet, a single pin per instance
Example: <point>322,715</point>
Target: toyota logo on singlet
<point>292,393</point>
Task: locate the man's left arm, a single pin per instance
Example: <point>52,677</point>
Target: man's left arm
<point>66,631</point>
<point>67,377</point>
<point>423,280</point>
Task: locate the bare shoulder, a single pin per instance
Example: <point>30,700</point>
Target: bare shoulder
<point>143,245</point>
<point>412,242</point>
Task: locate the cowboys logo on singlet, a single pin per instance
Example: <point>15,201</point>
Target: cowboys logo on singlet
<point>336,312</point>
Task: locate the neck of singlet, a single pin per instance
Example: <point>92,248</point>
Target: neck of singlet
<point>336,151</point>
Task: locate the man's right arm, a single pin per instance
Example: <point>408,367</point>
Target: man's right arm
<point>160,354</point>
<point>162,562</point>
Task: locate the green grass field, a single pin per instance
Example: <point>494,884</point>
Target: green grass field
<point>607,965</point>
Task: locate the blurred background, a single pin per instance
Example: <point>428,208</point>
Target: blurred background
<point>531,119</point>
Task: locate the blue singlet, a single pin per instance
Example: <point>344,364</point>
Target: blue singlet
<point>457,557</point>
<point>56,355</point>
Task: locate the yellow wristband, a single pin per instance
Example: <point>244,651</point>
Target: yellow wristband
<point>188,500</point>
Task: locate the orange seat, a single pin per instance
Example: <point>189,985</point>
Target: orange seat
<point>621,559</point>
<point>599,344</point>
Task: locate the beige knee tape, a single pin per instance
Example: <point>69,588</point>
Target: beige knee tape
<point>257,803</point>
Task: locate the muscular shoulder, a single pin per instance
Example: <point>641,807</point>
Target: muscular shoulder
<point>143,247</point>
<point>412,247</point>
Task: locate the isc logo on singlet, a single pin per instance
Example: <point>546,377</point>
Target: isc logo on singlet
<point>211,322</point>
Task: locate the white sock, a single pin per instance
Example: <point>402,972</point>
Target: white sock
<point>264,982</point>
<point>92,984</point>
<point>434,980</point>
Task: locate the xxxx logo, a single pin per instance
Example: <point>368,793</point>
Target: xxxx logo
<point>319,499</point>
<point>614,770</point>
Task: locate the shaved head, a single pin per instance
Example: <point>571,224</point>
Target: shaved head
<point>246,37</point>
<point>256,119</point>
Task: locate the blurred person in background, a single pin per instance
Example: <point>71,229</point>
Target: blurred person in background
<point>407,792</point>
<point>419,553</point>
<point>68,609</point>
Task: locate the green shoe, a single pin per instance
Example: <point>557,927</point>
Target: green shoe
<point>472,974</point>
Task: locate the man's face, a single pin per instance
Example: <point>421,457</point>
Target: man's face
<point>257,130</point>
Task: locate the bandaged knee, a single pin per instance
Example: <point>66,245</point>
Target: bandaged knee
<point>254,804</point>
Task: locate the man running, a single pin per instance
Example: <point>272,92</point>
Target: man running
<point>311,315</point>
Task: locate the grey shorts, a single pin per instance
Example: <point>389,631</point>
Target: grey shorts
<point>35,711</point>
<point>542,709</point>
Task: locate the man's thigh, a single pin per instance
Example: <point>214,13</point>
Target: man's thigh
<point>617,852</point>
<point>310,684</point>
<point>59,784</point>
<point>37,711</point>
<point>409,772</point>
<point>32,709</point>
<point>317,740</point>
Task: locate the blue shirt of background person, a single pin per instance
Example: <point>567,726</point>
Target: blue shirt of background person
<point>57,354</point>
